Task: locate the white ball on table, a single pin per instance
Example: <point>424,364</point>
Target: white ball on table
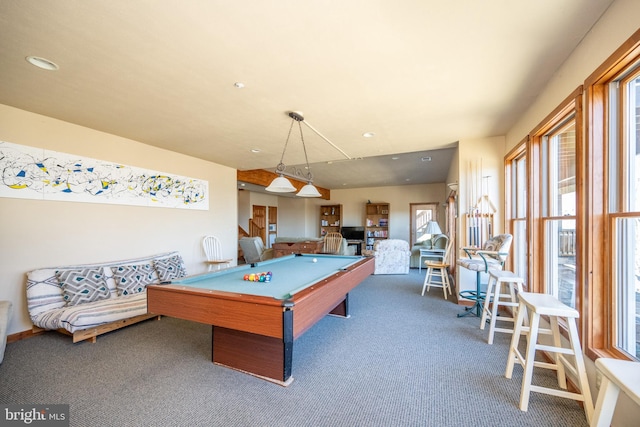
<point>315,260</point>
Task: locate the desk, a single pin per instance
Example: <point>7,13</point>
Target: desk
<point>256,323</point>
<point>434,254</point>
<point>357,244</point>
<point>281,249</point>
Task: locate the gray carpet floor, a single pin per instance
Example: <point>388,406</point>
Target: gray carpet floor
<point>399,360</point>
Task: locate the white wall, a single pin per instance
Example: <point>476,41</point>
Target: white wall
<point>618,23</point>
<point>478,158</point>
<point>38,233</point>
<point>489,153</point>
<point>244,209</point>
<point>298,217</point>
<point>353,204</point>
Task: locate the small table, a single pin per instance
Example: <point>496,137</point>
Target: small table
<point>434,254</point>
<point>255,323</point>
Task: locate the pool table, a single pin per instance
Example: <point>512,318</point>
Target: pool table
<point>256,323</point>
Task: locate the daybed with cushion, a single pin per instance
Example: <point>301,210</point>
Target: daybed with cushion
<point>92,299</point>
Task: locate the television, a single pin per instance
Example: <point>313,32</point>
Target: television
<point>353,233</point>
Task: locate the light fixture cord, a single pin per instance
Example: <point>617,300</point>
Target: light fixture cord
<point>281,166</point>
<point>304,148</point>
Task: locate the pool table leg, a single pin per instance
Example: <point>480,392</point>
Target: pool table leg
<point>266,357</point>
<point>342,309</point>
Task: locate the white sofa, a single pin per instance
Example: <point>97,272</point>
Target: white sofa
<point>392,256</point>
<point>88,300</point>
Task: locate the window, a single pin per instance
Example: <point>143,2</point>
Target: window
<point>613,185</point>
<point>624,211</point>
<point>516,179</point>
<point>559,210</point>
<point>553,218</point>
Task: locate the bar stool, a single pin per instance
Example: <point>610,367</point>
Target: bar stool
<point>438,269</point>
<point>616,375</point>
<point>537,305</point>
<point>495,298</point>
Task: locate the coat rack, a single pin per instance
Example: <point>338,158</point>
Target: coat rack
<point>479,217</point>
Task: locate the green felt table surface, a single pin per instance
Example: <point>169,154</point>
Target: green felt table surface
<point>290,274</point>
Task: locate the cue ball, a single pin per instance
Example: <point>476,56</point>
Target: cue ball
<point>315,260</point>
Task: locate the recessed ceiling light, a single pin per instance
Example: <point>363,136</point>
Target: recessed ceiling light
<point>426,159</point>
<point>368,134</point>
<point>43,63</point>
<point>239,85</point>
<point>395,158</point>
<point>255,150</point>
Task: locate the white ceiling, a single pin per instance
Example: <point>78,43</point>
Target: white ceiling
<point>420,74</point>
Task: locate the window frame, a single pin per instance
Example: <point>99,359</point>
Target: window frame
<point>600,311</point>
<point>569,109</point>
<point>512,215</point>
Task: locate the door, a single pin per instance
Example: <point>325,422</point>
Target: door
<point>421,214</point>
<point>260,222</point>
<point>273,224</point>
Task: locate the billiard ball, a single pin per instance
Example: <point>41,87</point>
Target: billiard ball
<point>315,260</point>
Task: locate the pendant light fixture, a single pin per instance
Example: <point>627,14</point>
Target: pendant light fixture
<point>281,184</point>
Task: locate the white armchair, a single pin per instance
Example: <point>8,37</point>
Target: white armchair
<point>392,256</point>
<point>254,251</point>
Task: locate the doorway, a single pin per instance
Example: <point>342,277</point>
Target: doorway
<point>421,214</point>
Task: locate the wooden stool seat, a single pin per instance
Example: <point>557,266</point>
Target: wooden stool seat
<point>536,305</point>
<point>495,298</point>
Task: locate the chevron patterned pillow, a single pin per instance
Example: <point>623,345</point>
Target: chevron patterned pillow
<point>132,279</point>
<point>170,268</point>
<point>82,286</point>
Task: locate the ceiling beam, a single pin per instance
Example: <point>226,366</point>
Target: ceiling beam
<point>263,178</point>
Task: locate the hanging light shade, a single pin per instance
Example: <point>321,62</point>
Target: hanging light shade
<point>281,184</point>
<point>309,190</point>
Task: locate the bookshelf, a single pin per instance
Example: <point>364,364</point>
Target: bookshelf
<point>376,223</point>
<point>330,219</point>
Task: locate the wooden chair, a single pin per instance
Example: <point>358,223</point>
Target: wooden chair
<point>438,269</point>
<point>213,252</point>
<point>332,243</point>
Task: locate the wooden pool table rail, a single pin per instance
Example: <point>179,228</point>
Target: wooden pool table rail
<point>255,334</point>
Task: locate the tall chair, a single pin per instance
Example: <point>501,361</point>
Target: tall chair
<point>438,269</point>
<point>332,243</point>
<point>492,256</point>
<point>213,251</point>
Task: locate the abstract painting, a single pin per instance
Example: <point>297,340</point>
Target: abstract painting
<point>35,173</point>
